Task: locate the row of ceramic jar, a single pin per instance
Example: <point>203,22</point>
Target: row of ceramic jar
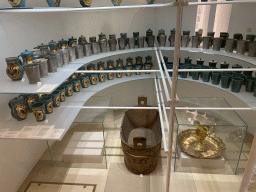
<point>58,54</point>
<point>56,3</point>
<point>42,104</point>
<point>217,43</point>
<point>236,79</point>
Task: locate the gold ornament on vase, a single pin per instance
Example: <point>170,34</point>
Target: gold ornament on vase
<point>39,115</point>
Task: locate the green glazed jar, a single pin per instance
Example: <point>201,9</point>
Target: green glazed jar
<point>55,98</point>
<point>128,67</point>
<point>62,91</point>
<point>149,59</point>
<point>100,65</point>
<point>110,76</point>
<point>119,75</point>
<point>147,66</point>
<point>85,80</point>
<point>102,77</point>
<point>138,60</point>
<point>76,84</point>
<point>53,46</point>
<point>14,68</point>
<point>43,48</point>
<point>19,110</point>
<point>82,40</point>
<point>48,104</point>
<point>63,44</point>
<point>91,67</point>
<point>69,88</point>
<point>93,79</point>
<point>129,61</point>
<point>72,42</point>
<point>110,64</point>
<point>138,67</point>
<point>120,63</point>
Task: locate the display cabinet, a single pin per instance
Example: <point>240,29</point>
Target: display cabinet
<point>223,143</point>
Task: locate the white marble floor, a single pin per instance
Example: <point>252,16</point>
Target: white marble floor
<point>116,178</point>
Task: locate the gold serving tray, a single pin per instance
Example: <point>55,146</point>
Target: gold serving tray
<point>188,140</point>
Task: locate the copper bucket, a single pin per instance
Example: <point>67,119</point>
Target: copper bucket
<point>141,138</point>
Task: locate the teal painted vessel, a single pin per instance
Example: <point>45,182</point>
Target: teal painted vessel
<point>116,2</point>
<point>18,3</point>
<point>53,3</point>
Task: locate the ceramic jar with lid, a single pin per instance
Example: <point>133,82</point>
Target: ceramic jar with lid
<point>200,61</point>
<point>224,36</point>
<point>212,64</point>
<point>224,65</point>
<point>161,38</point>
<point>138,60</point>
<point>27,57</point>
<point>110,64</point>
<point>136,35</point>
<point>14,68</point>
<point>120,63</point>
<point>53,46</point>
<point>129,61</point>
<point>100,66</point>
<point>43,48</point>
<point>150,38</point>
<point>172,38</point>
<point>149,59</point>
<point>72,42</point>
<point>19,110</point>
<point>63,44</point>
<point>82,40</point>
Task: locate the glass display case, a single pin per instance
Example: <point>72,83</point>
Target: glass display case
<point>84,143</point>
<point>221,141</point>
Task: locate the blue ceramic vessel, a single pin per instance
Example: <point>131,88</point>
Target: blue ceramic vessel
<point>18,3</point>
<point>53,3</point>
<point>116,2</point>
<point>14,68</point>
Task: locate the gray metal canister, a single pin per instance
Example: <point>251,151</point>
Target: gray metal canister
<point>87,49</point>
<point>216,44</point>
<point>43,68</point>
<point>79,51</point>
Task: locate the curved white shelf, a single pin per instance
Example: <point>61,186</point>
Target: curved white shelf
<point>8,86</point>
<point>246,58</point>
<point>78,9</point>
<point>63,116</point>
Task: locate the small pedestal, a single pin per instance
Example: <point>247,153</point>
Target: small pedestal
<point>189,161</point>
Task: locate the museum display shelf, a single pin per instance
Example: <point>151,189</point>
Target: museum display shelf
<point>245,58</point>
<point>58,122</point>
<point>79,9</point>
<point>226,125</point>
<point>246,97</point>
<point>50,83</point>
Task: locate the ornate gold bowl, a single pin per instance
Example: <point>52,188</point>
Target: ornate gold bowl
<point>189,143</point>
